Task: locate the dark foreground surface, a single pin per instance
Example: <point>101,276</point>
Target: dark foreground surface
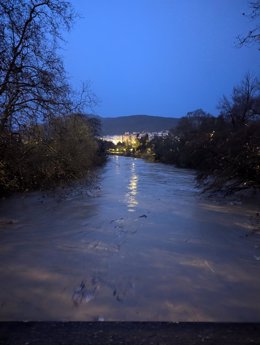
<point>156,333</point>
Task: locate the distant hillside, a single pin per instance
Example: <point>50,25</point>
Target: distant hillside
<point>136,123</point>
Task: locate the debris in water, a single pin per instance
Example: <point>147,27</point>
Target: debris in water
<point>78,294</point>
<point>208,265</point>
<point>85,293</point>
<point>143,216</point>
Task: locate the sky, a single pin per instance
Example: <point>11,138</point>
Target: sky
<point>159,57</point>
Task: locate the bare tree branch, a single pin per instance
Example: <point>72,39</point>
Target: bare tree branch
<point>253,35</point>
<point>32,77</point>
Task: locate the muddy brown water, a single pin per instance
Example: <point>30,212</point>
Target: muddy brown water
<point>142,244</point>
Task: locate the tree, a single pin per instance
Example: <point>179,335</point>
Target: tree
<point>244,104</point>
<point>33,84</point>
<point>44,137</point>
<point>253,36</point>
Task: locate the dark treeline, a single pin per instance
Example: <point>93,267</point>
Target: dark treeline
<point>44,138</point>
<point>225,150</point>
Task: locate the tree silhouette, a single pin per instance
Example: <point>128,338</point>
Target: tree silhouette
<point>33,84</point>
<point>244,104</point>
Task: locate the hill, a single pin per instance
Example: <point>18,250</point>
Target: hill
<point>136,123</point>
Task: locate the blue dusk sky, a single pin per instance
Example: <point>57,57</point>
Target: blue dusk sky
<point>159,57</point>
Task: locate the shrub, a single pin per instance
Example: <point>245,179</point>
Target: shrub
<point>43,156</point>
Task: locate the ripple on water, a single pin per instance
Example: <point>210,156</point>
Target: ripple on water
<point>143,245</point>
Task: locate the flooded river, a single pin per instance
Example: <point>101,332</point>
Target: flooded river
<point>142,244</point>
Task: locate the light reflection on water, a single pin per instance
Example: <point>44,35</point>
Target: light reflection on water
<point>146,244</point>
<point>131,195</point>
<point>117,164</point>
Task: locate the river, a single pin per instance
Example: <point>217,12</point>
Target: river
<point>142,244</point>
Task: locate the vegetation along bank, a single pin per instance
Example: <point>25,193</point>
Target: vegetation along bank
<point>225,150</point>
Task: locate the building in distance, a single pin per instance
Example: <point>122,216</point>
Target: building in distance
<point>130,138</point>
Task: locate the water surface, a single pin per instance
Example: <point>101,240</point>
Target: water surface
<point>142,244</point>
